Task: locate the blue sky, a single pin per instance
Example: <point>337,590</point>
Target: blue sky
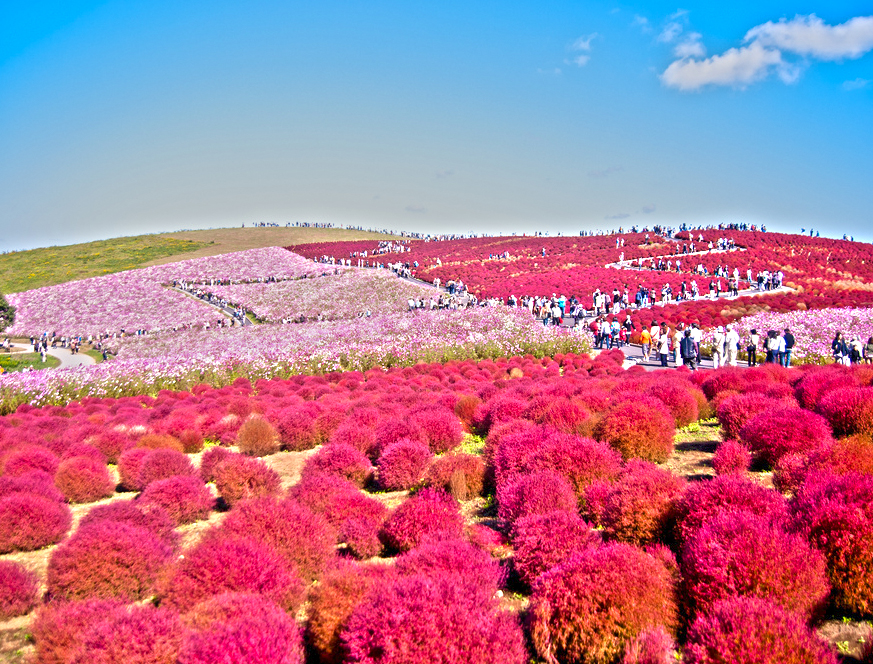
<point>133,116</point>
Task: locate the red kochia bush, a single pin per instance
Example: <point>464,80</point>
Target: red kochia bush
<point>424,619</point>
<point>836,516</point>
<point>129,464</point>
<point>61,627</point>
<point>107,559</point>
<point>18,590</point>
<point>774,433</point>
<point>652,646</point>
<point>304,539</point>
<point>439,429</point>
<point>257,437</point>
<point>542,541</point>
<point>537,493</point>
<point>133,635</point>
<point>427,513</point>
<point>238,478</point>
<point>163,463</point>
<point>402,465</point>
<point>150,516</point>
<point>296,429</point>
<point>725,494</point>
<point>738,409</point>
<point>731,458</point>
<point>639,507</point>
<point>84,480</point>
<point>29,522</point>
<point>35,482</point>
<point>332,601</point>
<point>586,609</point>
<point>342,460</point>
<point>750,630</point>
<point>744,554</point>
<point>462,475</point>
<point>184,497</point>
<point>638,429</point>
<point>849,410</point>
<point>210,459</point>
<point>220,565</point>
<point>482,573</point>
<point>28,458</point>
<point>239,628</point>
<point>679,398</point>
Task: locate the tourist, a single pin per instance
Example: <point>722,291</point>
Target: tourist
<point>664,347</point>
<point>789,346</point>
<point>732,345</point>
<point>868,351</point>
<point>718,348</point>
<point>856,349</point>
<point>687,350</point>
<point>840,349</point>
<point>752,348</point>
<point>645,341</point>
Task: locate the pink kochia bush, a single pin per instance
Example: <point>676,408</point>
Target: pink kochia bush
<point>639,428</point>
<point>29,522</point>
<point>161,464</point>
<point>702,501</point>
<point>184,498</point>
<point>431,619</point>
<point>462,475</point>
<point>849,410</point>
<point>439,429</point>
<point>18,590</point>
<point>402,465</point>
<point>542,541</point>
<point>84,480</point>
<point>150,516</point>
<point>241,628</point>
<point>28,458</point>
<point>639,507</point>
<point>751,630</point>
<point>210,459</point>
<point>304,539</point>
<point>342,460</point>
<point>835,513</point>
<point>482,573</point>
<point>129,464</point>
<point>731,458</point>
<point>136,635</point>
<point>219,565</point>
<point>107,559</point>
<point>586,609</point>
<point>745,555</point>
<point>738,409</point>
<point>429,512</point>
<point>35,482</point>
<point>239,477</point>
<point>652,646</point>
<point>772,434</point>
<point>61,627</point>
<point>537,493</point>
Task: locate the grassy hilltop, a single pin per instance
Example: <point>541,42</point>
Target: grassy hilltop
<point>25,270</point>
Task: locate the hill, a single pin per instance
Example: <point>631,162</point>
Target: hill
<point>25,270</point>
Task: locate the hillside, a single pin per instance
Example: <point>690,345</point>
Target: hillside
<point>25,270</point>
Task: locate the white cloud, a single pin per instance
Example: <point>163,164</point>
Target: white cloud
<point>737,67</point>
<point>583,43</point>
<point>810,36</point>
<point>856,84</point>
<point>690,47</point>
<point>581,60</point>
<point>642,23</point>
<point>582,47</point>
<point>670,32</point>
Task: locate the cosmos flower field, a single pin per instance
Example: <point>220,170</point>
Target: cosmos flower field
<point>430,486</point>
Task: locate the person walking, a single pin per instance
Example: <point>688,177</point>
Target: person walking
<point>789,346</point>
<point>752,348</point>
<point>868,351</point>
<point>840,349</point>
<point>664,348</point>
<point>646,342</point>
<point>718,348</point>
<point>732,345</point>
<point>687,350</point>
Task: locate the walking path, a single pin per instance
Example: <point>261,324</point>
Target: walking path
<point>68,359</point>
<point>227,311</point>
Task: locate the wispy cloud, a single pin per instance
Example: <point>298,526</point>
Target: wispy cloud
<point>581,50</point>
<point>648,209</point>
<point>619,215</point>
<point>642,23</point>
<point>605,172</point>
<point>764,50</point>
<point>415,209</point>
<point>690,47</point>
<point>856,84</point>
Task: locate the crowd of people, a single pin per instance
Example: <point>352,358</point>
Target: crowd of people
<point>853,351</point>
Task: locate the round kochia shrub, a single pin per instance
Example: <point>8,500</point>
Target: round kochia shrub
<point>835,513</point>
<point>218,565</point>
<point>639,507</point>
<point>738,409</point>
<point>542,541</point>
<point>210,459</point>
<point>731,458</point>
<point>642,428</point>
<point>84,480</point>
<point>150,516</point>
<point>429,512</point>
<point>439,429</point>
<point>35,482</point>
<point>333,600</point>
<point>461,475</point>
<point>537,493</point>
<point>304,539</point>
<point>482,573</point>
<point>341,460</point>
<point>134,635</point>
<point>239,478</point>
<point>402,465</point>
<point>129,464</point>
<point>107,559</point>
<point>61,627</point>
<point>745,555</point>
<point>28,458</point>
<point>750,630</point>
<point>239,628</point>
<point>18,590</point>
<point>586,609</point>
<point>161,464</point>
<point>184,498</point>
<point>772,434</point>
<point>29,522</point>
<point>430,619</point>
<point>726,494</point>
<point>849,410</point>
<point>257,437</point>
